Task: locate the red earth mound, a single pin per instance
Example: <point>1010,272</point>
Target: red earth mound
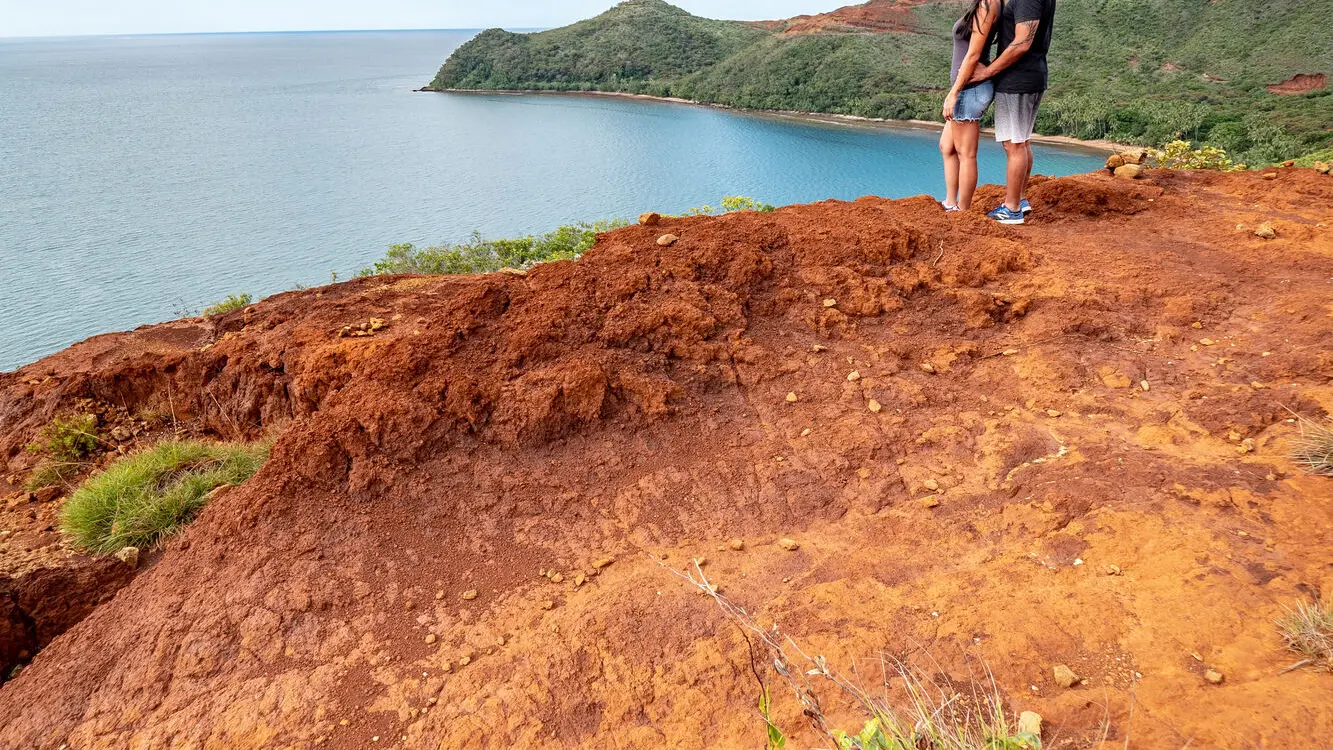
<point>876,16</point>
<point>1300,83</point>
<point>1079,458</point>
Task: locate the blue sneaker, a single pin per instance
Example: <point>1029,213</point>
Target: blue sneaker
<point>1005,216</point>
<point>1025,207</point>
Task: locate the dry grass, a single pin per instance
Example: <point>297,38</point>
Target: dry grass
<point>1314,449</point>
<point>1308,630</point>
<point>919,707</point>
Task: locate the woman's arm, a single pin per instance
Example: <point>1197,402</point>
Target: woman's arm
<point>981,28</point>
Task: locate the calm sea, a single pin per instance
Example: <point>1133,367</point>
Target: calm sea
<point>143,178</point>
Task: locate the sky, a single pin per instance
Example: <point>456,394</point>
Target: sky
<point>87,17</point>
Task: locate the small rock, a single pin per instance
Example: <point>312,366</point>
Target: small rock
<point>817,348</point>
<point>650,219</point>
<point>875,406</point>
<point>1270,175</point>
<point>558,578</point>
<point>1322,167</point>
<point>1214,676</point>
<point>1114,162</point>
<point>1196,325</point>
<point>1256,385</point>
<point>1054,413</point>
<point>1246,446</point>
<point>1029,722</point>
<point>46,494</point>
<point>579,580</point>
<point>1145,385</point>
<point>1129,172</point>
<point>667,240</point>
<point>927,367</point>
<point>1134,155</point>
<point>931,485</point>
<point>790,545</point>
<point>120,434</point>
<point>430,639</point>
<point>513,272</point>
<point>792,398</point>
<point>1207,342</point>
<point>930,501</point>
<point>1113,570</point>
<point>602,563</point>
<point>1266,231</point>
<point>439,595</point>
<point>853,376</point>
<point>466,660</point>
<point>736,545</point>
<point>548,604</point>
<point>129,556</point>
<point>1065,677</point>
<point>1008,352</point>
<point>830,302</point>
<point>805,432</point>
<point>469,595</point>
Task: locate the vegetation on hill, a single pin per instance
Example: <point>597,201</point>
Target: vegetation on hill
<point>1134,72</point>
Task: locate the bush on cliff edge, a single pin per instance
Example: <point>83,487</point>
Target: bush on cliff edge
<point>142,499</point>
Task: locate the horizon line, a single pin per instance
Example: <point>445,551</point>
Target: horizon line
<point>137,35</point>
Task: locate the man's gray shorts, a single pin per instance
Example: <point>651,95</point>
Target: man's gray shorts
<point>1015,116</point>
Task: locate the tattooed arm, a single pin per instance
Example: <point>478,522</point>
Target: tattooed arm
<point>1025,35</point>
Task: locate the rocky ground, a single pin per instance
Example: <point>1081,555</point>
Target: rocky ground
<point>1057,444</point>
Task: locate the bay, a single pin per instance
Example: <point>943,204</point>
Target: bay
<point>142,178</point>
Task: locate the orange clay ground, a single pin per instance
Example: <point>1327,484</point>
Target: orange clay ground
<point>1112,387</point>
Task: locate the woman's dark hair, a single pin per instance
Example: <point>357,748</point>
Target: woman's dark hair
<point>970,17</point>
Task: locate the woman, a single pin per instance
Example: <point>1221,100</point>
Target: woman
<point>966,105</point>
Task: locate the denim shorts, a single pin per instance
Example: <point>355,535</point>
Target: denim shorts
<point>973,102</point>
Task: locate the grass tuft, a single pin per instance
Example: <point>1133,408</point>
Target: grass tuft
<point>1308,630</point>
<point>144,498</point>
<point>232,302</point>
<point>64,445</point>
<point>1314,450</point>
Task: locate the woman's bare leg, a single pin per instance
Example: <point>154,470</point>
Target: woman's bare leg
<point>965,137</point>
<point>950,165</point>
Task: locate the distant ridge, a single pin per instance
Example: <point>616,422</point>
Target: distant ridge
<point>1247,75</point>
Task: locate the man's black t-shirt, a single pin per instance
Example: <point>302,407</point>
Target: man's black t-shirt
<point>1028,75</point>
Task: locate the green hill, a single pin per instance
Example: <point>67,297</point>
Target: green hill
<point>1135,71</point>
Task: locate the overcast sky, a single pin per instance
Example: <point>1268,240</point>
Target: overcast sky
<point>78,17</point>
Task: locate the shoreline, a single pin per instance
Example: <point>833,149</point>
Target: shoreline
<point>1099,146</point>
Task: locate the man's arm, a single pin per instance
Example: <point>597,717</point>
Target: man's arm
<point>1025,35</point>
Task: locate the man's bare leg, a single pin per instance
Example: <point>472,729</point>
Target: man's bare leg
<point>1016,173</point>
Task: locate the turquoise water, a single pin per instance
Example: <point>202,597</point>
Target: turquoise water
<point>143,178</point>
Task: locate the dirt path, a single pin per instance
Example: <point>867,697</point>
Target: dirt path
<point>380,578</point>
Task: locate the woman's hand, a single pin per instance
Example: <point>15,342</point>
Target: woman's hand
<point>950,102</point>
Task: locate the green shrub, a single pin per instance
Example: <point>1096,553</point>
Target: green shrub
<point>144,498</point>
<point>1180,154</point>
<point>232,302</point>
<point>729,204</point>
<point>479,255</point>
<point>64,445</point>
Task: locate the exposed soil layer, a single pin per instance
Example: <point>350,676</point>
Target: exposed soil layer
<point>1301,83</point>
<point>1112,384</point>
<point>876,17</point>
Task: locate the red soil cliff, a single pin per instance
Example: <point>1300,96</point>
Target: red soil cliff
<point>637,401</point>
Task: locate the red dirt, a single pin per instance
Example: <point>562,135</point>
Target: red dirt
<point>635,401</point>
<point>1301,83</point>
<point>876,16</point>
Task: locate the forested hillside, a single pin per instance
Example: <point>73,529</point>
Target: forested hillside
<point>1130,70</point>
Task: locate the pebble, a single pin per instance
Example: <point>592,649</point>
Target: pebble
<point>430,639</point>
<point>1145,385</point>
<point>792,398</point>
<point>930,501</point>
<point>1029,722</point>
<point>1065,677</point>
<point>791,545</point>
<point>1207,342</point>
<point>469,595</point>
<point>875,406</point>
<point>805,432</point>
<point>605,561</point>
<point>1113,570</point>
<point>1054,413</point>
<point>1214,676</point>
<point>931,485</point>
<point>650,219</point>
<point>1008,352</point>
<point>927,367</point>
<point>439,595</point>
<point>830,303</point>
<point>736,544</point>
<point>558,578</point>
<point>667,240</point>
<point>579,580</point>
<point>853,376</point>
<point>466,660</point>
<point>129,556</point>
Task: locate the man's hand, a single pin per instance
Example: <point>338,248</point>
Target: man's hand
<point>980,74</point>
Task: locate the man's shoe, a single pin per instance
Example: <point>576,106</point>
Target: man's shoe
<point>1025,207</point>
<point>1005,216</point>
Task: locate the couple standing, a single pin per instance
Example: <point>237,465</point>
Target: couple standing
<point>1015,81</point>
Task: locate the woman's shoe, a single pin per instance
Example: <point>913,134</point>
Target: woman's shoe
<point>949,209</point>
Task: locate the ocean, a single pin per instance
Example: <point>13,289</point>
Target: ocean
<point>143,178</point>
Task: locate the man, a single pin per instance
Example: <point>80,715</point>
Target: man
<point>1020,81</point>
